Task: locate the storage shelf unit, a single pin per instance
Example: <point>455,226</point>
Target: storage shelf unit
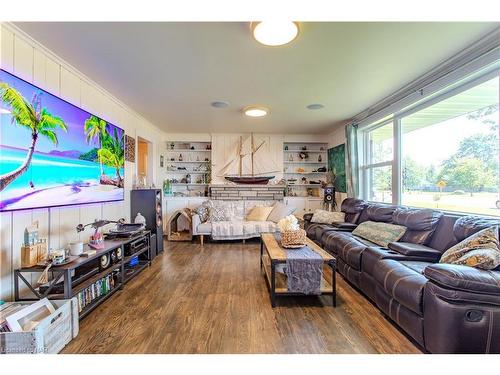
<point>299,171</point>
<point>73,286</point>
<point>196,157</point>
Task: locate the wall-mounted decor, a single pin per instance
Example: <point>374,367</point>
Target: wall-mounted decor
<point>336,164</point>
<point>53,153</point>
<point>161,161</point>
<point>129,148</point>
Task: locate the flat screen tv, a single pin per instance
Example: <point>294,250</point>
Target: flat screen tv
<point>53,153</point>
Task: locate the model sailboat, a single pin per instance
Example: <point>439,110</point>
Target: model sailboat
<point>247,149</point>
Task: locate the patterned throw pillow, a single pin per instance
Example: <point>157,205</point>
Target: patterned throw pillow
<point>327,217</point>
<point>218,213</point>
<point>203,211</point>
<point>481,250</point>
<point>379,233</point>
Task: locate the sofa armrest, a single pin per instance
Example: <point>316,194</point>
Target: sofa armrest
<point>307,217</point>
<point>415,250</point>
<point>465,278</point>
<point>347,227</point>
<point>195,221</point>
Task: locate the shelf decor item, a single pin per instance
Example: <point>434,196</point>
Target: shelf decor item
<point>167,187</point>
<point>34,249</point>
<point>129,148</point>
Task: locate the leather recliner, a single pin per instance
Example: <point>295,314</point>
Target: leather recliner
<point>444,308</point>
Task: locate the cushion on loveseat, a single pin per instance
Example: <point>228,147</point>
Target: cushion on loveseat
<point>259,213</point>
<point>279,211</point>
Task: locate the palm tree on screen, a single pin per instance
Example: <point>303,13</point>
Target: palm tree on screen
<point>112,154</point>
<point>95,129</point>
<point>30,115</point>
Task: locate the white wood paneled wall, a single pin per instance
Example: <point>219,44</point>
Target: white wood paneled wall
<point>30,61</point>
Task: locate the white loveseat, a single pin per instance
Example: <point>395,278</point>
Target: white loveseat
<point>237,228</point>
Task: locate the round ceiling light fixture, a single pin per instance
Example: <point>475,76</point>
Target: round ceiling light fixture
<point>275,33</point>
<point>255,111</point>
<point>220,104</point>
<point>315,106</point>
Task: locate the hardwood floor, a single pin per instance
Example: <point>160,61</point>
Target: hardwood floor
<point>213,299</point>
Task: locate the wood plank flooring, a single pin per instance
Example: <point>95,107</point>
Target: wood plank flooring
<point>214,299</point>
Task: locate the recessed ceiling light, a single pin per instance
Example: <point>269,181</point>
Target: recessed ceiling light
<point>275,33</point>
<point>254,111</point>
<point>220,104</point>
<point>315,106</point>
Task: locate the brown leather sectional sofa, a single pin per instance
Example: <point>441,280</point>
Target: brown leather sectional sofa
<point>444,308</point>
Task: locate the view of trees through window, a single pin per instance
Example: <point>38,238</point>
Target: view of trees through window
<point>449,154</point>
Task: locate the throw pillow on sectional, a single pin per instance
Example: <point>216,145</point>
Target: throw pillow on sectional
<point>379,233</point>
<point>327,217</point>
<point>481,250</point>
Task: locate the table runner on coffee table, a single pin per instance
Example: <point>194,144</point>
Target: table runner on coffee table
<point>304,269</point>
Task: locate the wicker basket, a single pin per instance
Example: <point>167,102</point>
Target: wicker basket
<point>293,238</point>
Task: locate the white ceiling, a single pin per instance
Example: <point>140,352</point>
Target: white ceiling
<point>171,72</point>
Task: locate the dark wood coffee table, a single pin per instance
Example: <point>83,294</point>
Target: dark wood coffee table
<point>272,254</point>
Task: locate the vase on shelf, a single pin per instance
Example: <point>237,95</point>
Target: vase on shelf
<point>320,159</point>
<point>180,157</point>
<point>167,187</point>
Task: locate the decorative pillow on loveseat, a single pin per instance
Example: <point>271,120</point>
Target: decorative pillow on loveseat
<point>379,233</point>
<point>327,217</point>
<point>203,211</point>
<point>481,250</point>
<point>280,211</point>
<point>259,213</point>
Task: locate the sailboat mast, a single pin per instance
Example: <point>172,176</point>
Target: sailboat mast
<point>241,157</point>
<point>252,153</point>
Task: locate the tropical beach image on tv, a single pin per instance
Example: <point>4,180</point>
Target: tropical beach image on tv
<point>53,153</point>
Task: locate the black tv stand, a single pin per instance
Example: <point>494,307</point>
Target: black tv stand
<point>85,279</point>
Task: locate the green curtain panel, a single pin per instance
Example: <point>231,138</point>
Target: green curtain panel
<point>352,161</point>
<point>336,163</point>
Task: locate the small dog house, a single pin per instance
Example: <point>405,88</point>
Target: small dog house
<point>180,226</point>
